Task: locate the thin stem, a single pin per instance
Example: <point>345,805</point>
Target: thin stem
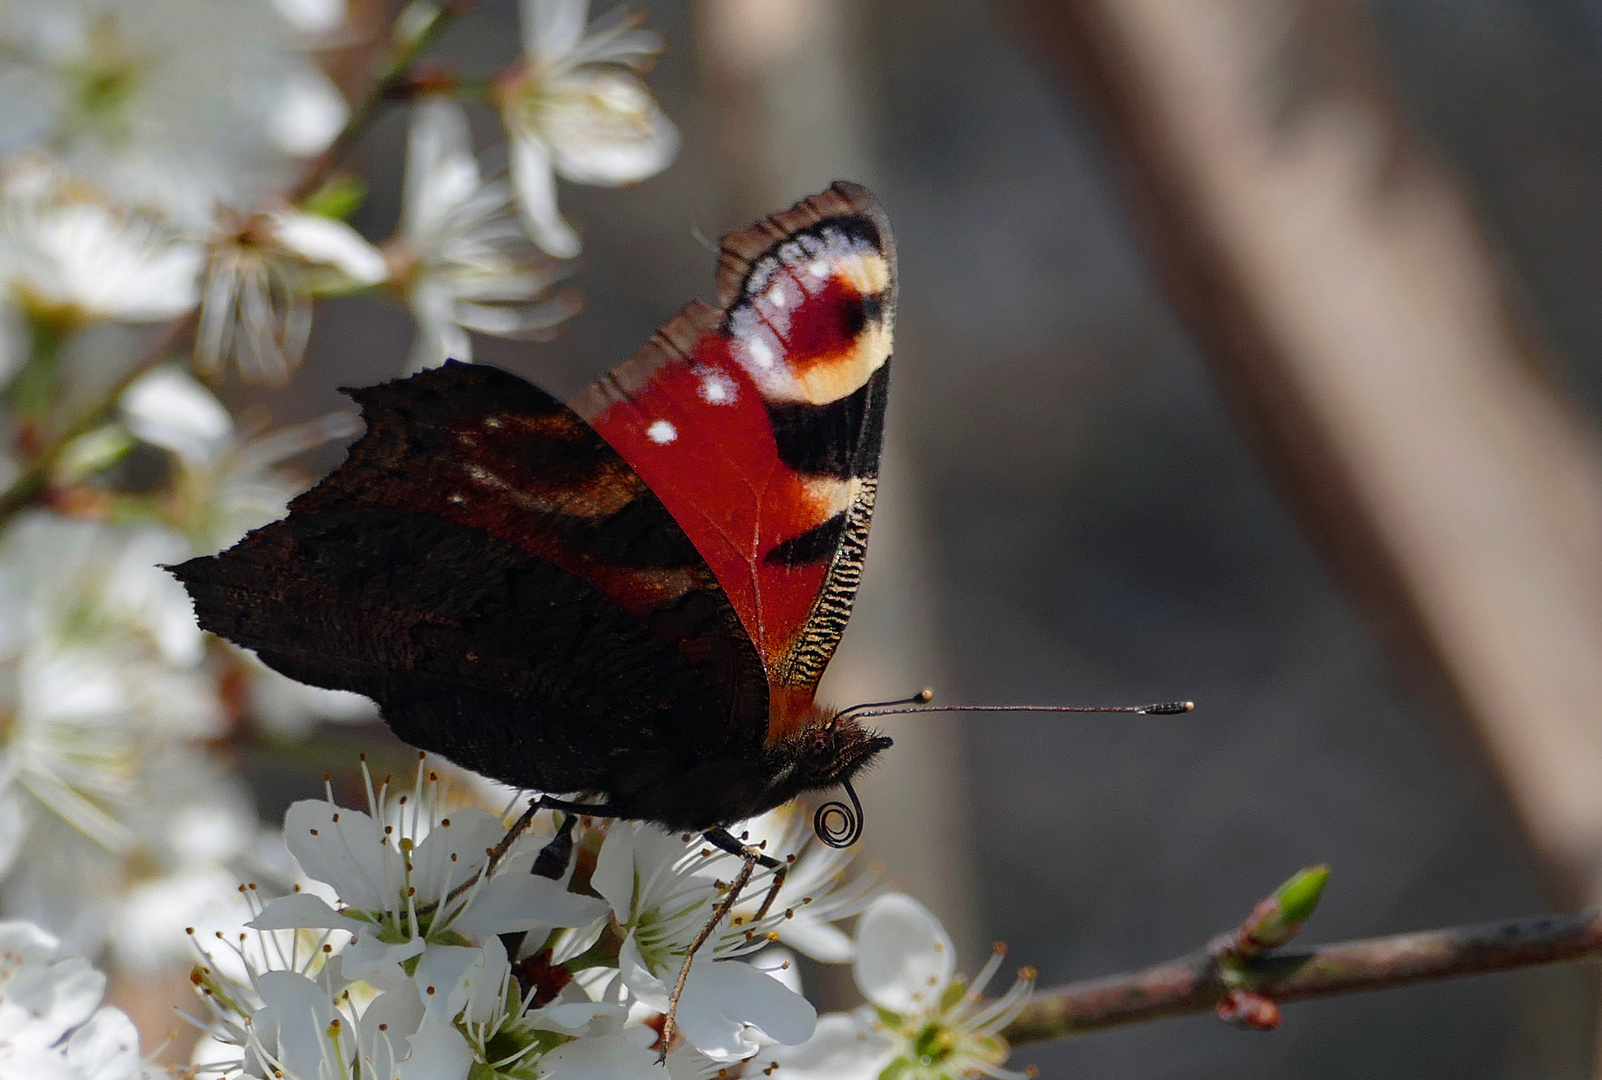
<point>26,487</point>
<point>22,491</point>
<point>1196,983</point>
<point>393,76</point>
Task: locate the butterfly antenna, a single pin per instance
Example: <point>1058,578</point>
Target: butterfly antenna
<point>922,697</point>
<point>1165,708</point>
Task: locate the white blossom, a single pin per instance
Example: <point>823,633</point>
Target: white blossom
<point>575,109</point>
<point>820,888</point>
<point>281,1006</point>
<point>407,975</point>
<point>923,1022</point>
<point>105,688</point>
<point>571,1038</point>
<point>462,258</point>
<point>662,892</point>
<point>100,661</point>
<point>177,104</point>
<point>225,483</point>
<point>70,257</point>
<point>263,273</point>
<point>52,1025</point>
<point>411,876</point>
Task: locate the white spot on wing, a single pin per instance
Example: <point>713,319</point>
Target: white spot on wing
<point>717,389</point>
<point>761,352</point>
<point>661,432</point>
<point>777,296</point>
<point>492,421</point>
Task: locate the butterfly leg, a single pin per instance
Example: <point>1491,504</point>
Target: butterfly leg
<point>520,826</point>
<point>722,839</point>
<point>551,863</point>
<point>718,914</point>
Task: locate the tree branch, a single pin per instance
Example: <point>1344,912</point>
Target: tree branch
<point>1239,987</point>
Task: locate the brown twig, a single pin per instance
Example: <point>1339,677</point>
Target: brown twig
<point>22,491</point>
<point>1200,982</point>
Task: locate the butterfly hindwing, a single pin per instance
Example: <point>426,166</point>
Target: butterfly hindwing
<point>758,424</point>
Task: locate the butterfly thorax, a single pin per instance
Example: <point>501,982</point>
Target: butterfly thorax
<point>683,789</point>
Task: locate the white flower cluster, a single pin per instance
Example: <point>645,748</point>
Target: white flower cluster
<point>132,135</point>
<point>52,1025</point>
<point>116,827</point>
<point>414,952</point>
<point>159,164</point>
<point>144,151</point>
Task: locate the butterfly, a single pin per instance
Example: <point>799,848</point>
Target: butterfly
<point>630,597</point>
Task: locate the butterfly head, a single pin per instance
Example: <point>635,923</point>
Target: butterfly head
<point>827,753</point>
<point>824,753</point>
<point>834,752</point>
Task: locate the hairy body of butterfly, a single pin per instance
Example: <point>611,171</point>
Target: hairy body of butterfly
<point>631,598</point>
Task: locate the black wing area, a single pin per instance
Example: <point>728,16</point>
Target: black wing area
<point>511,594</point>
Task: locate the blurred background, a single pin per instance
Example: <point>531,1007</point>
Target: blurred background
<point>1246,353</point>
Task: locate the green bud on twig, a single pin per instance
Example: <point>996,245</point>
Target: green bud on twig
<point>1276,919</point>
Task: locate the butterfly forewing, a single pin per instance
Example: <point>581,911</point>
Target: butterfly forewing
<point>759,424</point>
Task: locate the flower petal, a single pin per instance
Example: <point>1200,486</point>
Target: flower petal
<point>777,962</point>
<point>726,1006</point>
<point>167,408</point>
<point>817,940</point>
<point>313,16</point>
<point>512,902</point>
<point>605,1057</point>
<point>439,1052</point>
<point>106,1048</point>
<point>844,1047</point>
<point>327,242</point>
<point>303,911</point>
<point>604,127</point>
<point>441,172</point>
<point>447,976</point>
<point>530,160</point>
<point>904,958</point>
<point>385,1024</point>
<point>453,851</point>
<point>651,991</point>
<point>342,848</point>
<point>613,877</point>
<point>439,337</point>
<point>552,28</point>
<point>369,954</point>
<point>575,1017</point>
<point>297,1010</point>
<point>308,114</point>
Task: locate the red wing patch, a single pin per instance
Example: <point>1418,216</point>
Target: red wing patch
<point>758,425</point>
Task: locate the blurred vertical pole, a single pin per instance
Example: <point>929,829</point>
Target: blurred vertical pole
<point>792,113</point>
<point>1353,313</point>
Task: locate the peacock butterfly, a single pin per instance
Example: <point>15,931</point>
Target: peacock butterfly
<point>630,597</point>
